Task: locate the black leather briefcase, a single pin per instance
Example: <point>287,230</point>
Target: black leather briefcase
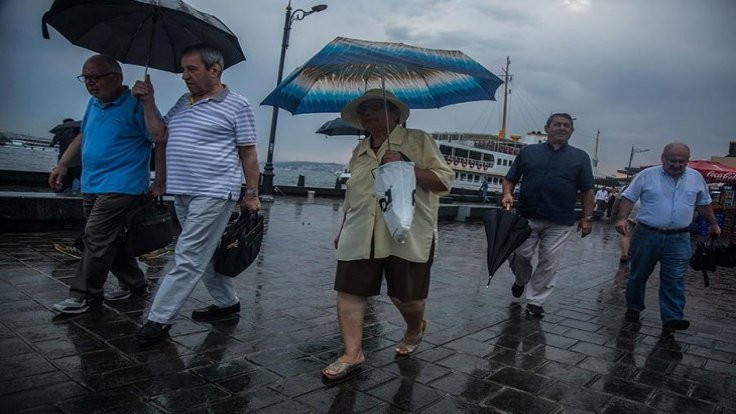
<point>240,244</point>
<point>148,227</point>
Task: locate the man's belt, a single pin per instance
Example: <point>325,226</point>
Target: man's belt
<point>663,231</point>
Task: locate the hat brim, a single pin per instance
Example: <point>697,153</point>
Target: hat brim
<point>350,115</point>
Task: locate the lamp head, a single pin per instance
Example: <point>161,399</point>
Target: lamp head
<point>318,8</point>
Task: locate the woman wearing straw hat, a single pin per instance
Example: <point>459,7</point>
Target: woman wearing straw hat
<point>366,252</point>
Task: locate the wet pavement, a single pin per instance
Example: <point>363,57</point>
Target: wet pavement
<point>481,354</point>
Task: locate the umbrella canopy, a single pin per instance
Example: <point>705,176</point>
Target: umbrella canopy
<point>714,172</point>
<point>64,126</point>
<point>149,33</point>
<point>337,127</point>
<point>419,77</point>
<point>505,231</point>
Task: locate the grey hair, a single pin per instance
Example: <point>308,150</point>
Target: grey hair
<point>209,55</point>
<point>112,64</point>
<point>672,145</point>
<point>560,115</point>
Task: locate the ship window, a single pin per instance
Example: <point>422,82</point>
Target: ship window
<point>476,178</point>
<point>462,176</point>
<point>475,155</point>
<point>462,153</point>
<point>444,149</point>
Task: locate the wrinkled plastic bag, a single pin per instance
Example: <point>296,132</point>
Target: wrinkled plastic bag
<point>396,186</point>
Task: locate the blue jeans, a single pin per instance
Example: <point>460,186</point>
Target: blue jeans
<point>672,251</point>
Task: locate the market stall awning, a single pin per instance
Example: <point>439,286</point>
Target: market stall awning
<point>714,172</point>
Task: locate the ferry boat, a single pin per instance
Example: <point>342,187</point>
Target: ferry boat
<point>477,157</point>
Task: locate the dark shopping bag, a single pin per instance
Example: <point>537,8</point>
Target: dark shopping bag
<point>148,227</point>
<point>705,258</point>
<point>240,244</point>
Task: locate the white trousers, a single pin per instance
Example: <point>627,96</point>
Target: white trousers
<point>549,239</point>
<point>203,220</point>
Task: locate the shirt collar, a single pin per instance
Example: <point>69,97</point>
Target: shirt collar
<point>117,101</point>
<point>563,146</point>
<point>219,96</point>
<point>396,137</point>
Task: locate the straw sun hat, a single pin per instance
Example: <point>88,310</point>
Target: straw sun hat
<point>350,116</point>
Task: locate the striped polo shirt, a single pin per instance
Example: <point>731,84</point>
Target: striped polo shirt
<point>202,149</point>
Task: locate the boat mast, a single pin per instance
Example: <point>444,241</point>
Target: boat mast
<point>506,78</point>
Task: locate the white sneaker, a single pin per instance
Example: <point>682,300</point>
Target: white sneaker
<point>118,294</point>
<point>75,305</point>
<point>68,250</point>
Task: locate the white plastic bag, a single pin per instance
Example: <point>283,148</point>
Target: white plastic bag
<point>395,188</point>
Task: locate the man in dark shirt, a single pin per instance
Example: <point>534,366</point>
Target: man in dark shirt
<point>553,173</point>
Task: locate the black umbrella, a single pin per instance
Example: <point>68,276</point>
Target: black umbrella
<point>338,127</point>
<point>505,231</point>
<point>64,126</point>
<point>149,33</point>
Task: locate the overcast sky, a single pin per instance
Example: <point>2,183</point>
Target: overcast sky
<point>643,72</point>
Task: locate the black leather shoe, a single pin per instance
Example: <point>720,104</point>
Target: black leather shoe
<point>670,327</point>
<point>535,310</point>
<point>213,312</point>
<point>517,290</point>
<point>152,332</point>
<point>632,315</point>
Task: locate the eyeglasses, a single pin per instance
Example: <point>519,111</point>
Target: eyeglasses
<point>370,106</point>
<point>677,160</point>
<point>93,78</point>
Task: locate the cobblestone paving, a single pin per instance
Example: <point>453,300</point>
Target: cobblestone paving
<point>481,354</point>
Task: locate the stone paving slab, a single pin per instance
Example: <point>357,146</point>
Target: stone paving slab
<point>481,353</point>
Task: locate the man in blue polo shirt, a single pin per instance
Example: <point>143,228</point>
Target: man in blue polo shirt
<point>115,148</point>
<point>211,141</point>
<point>551,175</point>
<point>668,195</point>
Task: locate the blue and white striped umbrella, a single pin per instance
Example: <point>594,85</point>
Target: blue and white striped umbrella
<point>419,77</point>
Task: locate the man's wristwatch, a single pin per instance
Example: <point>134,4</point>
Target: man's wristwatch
<point>251,193</point>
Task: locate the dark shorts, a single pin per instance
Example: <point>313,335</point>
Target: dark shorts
<point>405,280</point>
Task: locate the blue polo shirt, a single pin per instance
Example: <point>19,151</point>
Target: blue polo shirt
<point>116,147</point>
<point>551,180</point>
<point>666,203</point>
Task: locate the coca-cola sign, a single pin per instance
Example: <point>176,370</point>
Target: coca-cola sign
<point>720,176</point>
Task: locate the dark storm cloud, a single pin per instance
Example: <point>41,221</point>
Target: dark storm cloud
<point>644,73</point>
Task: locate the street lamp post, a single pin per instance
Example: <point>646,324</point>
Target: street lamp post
<point>290,17</point>
<point>634,150</point>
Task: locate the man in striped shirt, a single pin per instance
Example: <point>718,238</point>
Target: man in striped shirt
<point>211,136</point>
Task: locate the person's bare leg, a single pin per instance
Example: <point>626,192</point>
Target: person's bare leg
<point>350,313</point>
<point>413,314</point>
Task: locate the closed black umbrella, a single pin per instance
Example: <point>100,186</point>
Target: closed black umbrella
<point>149,33</point>
<point>337,127</point>
<point>505,232</point>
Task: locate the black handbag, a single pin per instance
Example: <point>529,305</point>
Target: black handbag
<point>148,227</point>
<point>240,244</point>
<point>704,259</point>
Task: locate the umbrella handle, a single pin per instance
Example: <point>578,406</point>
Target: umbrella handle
<point>385,110</point>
